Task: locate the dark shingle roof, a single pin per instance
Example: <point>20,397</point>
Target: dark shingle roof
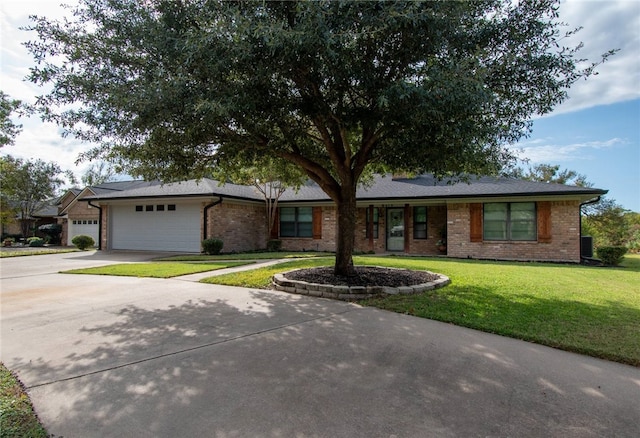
<point>381,188</point>
<point>428,187</point>
<point>156,189</point>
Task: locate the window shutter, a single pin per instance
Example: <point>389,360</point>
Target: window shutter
<point>475,218</point>
<point>544,222</point>
<point>317,222</point>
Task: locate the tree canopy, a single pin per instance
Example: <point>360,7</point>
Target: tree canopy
<point>8,129</point>
<point>172,89</point>
<point>98,173</point>
<point>26,186</point>
<point>549,173</point>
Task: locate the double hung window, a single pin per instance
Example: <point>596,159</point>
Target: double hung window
<point>296,222</point>
<point>509,221</point>
<point>419,222</point>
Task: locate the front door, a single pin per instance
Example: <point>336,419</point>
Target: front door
<point>395,229</point>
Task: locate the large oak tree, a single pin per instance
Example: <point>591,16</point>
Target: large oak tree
<point>171,89</point>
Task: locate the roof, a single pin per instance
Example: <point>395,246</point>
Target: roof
<point>156,189</point>
<point>49,209</point>
<point>381,188</point>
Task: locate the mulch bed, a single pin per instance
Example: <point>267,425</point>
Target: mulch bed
<point>364,276</point>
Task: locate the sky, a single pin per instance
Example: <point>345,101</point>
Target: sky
<point>596,132</point>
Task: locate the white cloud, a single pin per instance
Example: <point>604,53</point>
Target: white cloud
<point>606,25</point>
<point>545,151</point>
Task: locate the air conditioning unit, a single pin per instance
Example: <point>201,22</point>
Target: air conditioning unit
<point>586,247</point>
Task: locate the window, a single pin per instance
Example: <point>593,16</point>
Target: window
<point>171,207</point>
<point>419,222</point>
<point>148,208</point>
<point>296,222</point>
<point>138,207</point>
<point>160,207</point>
<point>510,221</point>
<point>376,219</point>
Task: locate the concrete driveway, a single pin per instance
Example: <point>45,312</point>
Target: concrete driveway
<point>128,357</point>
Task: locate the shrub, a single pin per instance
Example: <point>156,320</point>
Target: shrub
<point>274,245</point>
<point>212,246</point>
<point>35,241</point>
<point>52,232</point>
<point>611,255</point>
<point>83,242</point>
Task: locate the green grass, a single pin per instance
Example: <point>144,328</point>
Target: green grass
<point>155,269</point>
<point>244,256</point>
<point>17,418</point>
<point>588,310</point>
<point>261,278</point>
<point>33,252</point>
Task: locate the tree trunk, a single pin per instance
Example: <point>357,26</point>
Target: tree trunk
<point>346,232</point>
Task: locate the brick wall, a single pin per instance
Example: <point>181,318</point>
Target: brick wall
<point>326,243</point>
<point>564,245</point>
<point>241,227</point>
<point>79,211</point>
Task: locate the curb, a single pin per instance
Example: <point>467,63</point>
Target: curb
<point>350,293</point>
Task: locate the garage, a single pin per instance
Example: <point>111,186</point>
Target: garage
<point>157,226</point>
<point>87,227</point>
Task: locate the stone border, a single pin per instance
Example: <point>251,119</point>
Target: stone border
<point>349,293</point>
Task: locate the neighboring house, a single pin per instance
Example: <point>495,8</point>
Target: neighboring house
<point>45,215</point>
<point>77,217</point>
<point>488,218</point>
<point>80,217</point>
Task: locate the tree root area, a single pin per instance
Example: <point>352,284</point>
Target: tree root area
<point>364,276</point>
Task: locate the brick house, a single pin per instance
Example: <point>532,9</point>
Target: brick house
<point>488,218</point>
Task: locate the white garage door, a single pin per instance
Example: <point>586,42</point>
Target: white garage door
<point>87,227</point>
<point>156,227</point>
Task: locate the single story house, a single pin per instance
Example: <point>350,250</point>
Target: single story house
<point>486,217</point>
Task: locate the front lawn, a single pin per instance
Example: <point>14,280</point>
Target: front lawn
<point>588,310</point>
<point>32,252</point>
<point>155,269</point>
<point>17,418</point>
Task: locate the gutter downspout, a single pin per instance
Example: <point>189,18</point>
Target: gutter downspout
<point>592,201</point>
<point>99,224</point>
<point>206,215</point>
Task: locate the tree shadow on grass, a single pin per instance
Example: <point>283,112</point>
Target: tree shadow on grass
<point>282,365</point>
<point>607,330</point>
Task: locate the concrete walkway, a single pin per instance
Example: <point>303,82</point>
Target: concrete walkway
<point>139,357</point>
<point>257,265</point>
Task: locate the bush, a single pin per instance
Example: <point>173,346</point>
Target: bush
<point>212,246</point>
<point>35,241</point>
<point>83,242</point>
<point>52,232</point>
<point>274,245</point>
<point>611,255</point>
